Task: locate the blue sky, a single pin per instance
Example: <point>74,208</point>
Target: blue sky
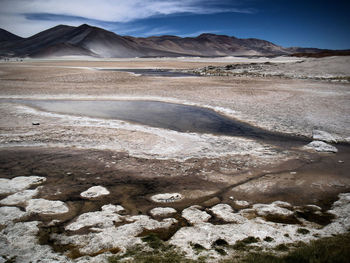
<point>308,23</point>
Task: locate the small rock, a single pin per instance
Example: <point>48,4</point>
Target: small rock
<point>46,207</point>
<point>321,147</point>
<point>162,211</point>
<point>95,191</point>
<point>35,123</point>
<point>194,215</point>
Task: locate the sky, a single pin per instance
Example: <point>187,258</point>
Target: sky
<point>307,23</point>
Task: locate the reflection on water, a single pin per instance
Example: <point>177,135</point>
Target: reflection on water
<point>177,117</point>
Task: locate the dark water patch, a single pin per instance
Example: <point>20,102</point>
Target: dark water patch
<point>153,72</point>
<point>177,117</point>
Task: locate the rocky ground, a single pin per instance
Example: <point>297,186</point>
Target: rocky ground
<point>80,189</point>
<point>332,69</point>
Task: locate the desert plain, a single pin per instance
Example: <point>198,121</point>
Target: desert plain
<point>79,188</point>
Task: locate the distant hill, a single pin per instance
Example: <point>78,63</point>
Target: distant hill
<point>92,41</point>
<point>7,36</point>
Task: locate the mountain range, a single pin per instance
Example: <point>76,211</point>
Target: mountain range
<point>86,40</point>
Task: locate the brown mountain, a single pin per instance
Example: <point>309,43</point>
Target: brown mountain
<point>86,40</point>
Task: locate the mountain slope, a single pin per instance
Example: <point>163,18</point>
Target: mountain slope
<point>86,40</point>
<point>7,36</point>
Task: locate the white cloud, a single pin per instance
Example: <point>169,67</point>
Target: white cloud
<point>23,27</point>
<point>12,12</point>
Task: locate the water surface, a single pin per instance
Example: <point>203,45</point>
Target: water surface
<point>177,117</point>
<point>152,72</point>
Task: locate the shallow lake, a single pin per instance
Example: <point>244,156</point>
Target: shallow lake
<point>177,117</point>
<point>152,72</point>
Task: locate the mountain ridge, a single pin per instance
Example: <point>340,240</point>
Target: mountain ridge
<point>86,40</point>
<point>8,36</point>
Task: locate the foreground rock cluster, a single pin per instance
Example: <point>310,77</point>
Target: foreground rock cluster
<point>93,236</point>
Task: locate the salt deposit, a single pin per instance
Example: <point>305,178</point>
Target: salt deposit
<point>95,191</point>
<point>46,207</point>
<point>8,186</point>
<point>320,146</point>
<point>162,211</point>
<point>194,215</point>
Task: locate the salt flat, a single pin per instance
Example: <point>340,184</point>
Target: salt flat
<point>135,162</point>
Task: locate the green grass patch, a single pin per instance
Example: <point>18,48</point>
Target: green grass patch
<point>197,247</point>
<point>325,250</point>
<point>153,241</point>
<point>166,255</point>
<point>221,251</point>
<point>281,247</point>
<point>242,244</point>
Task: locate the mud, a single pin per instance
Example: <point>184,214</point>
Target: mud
<point>318,180</point>
<point>132,181</point>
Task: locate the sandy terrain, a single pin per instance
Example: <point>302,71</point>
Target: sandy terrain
<point>135,162</point>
